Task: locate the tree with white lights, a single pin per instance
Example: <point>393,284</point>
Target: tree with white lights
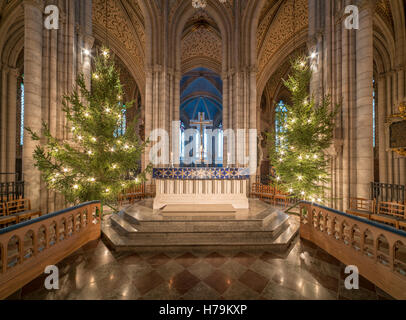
<point>94,164</point>
<point>305,131</point>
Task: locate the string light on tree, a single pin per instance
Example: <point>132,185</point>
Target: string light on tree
<point>88,180</point>
<point>306,128</point>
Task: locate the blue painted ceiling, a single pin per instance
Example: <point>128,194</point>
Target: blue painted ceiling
<point>201,91</point>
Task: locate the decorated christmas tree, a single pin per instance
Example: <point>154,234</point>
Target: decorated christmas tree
<point>95,163</point>
<point>303,133</point>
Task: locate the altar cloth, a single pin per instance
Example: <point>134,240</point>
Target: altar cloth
<point>201,173</point>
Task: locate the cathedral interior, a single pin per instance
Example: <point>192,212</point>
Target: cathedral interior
<point>223,63</point>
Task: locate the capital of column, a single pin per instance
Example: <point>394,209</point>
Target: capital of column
<point>88,40</point>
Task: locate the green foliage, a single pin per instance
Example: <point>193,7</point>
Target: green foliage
<point>298,149</point>
<point>93,163</point>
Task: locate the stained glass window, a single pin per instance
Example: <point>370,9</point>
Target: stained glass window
<point>22,113</point>
<point>281,112</point>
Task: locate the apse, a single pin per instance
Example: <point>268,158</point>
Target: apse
<point>201,109</point>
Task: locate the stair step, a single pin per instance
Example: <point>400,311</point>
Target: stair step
<point>138,227</point>
<point>279,220</point>
<point>121,224</point>
<point>274,221</point>
<point>287,236</point>
<point>124,243</point>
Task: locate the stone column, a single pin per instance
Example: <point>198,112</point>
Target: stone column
<point>364,89</point>
<point>33,23</point>
<point>3,122</point>
<point>148,112</point>
<point>381,108</point>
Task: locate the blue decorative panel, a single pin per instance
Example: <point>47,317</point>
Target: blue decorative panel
<point>200,173</point>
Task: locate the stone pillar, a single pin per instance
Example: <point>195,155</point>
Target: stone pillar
<point>3,122</point>
<point>33,23</point>
<point>364,89</point>
<point>381,108</point>
<point>148,113</point>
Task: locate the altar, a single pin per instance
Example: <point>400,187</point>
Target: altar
<point>201,186</point>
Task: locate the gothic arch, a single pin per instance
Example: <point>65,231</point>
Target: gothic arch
<point>183,13</point>
<point>272,66</point>
<point>129,41</point>
<point>125,57</point>
<point>250,27</point>
<point>12,37</point>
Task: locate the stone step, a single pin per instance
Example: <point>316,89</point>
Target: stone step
<point>190,232</point>
<point>122,242</point>
<point>118,221</point>
<point>291,231</point>
<point>271,223</point>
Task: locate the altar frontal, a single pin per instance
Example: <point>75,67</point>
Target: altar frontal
<point>194,186</point>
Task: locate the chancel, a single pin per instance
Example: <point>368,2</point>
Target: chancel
<point>202,149</point>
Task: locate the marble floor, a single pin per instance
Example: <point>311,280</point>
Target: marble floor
<point>95,272</point>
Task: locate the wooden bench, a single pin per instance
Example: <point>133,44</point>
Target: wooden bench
<point>136,193</point>
<point>271,193</point>
<point>5,219</point>
<point>390,213</point>
<point>281,198</point>
<point>361,207</point>
<point>21,209</point>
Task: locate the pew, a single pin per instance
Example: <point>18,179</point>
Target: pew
<point>361,207</point>
<point>5,219</point>
<point>137,192</point>
<point>270,193</point>
<point>21,209</point>
<point>391,213</point>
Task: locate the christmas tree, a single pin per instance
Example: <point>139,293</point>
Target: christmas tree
<point>101,153</point>
<point>303,133</point>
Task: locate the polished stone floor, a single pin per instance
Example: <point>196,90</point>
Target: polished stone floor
<point>95,272</point>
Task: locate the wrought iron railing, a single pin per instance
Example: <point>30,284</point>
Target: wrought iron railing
<point>11,191</point>
<point>385,192</point>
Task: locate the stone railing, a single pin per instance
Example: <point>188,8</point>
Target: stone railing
<point>28,248</point>
<point>378,250</point>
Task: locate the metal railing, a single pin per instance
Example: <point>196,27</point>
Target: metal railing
<point>385,192</point>
<point>11,191</point>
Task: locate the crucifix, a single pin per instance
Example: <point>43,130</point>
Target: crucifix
<point>201,123</point>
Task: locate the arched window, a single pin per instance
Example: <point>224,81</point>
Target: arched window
<point>374,112</point>
<point>220,144</point>
<point>280,113</point>
<point>22,111</point>
<point>123,125</point>
<point>181,140</point>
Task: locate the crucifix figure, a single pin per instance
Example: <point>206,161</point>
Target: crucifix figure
<point>201,124</point>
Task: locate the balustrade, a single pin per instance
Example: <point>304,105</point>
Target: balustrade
<point>26,249</point>
<point>379,251</point>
